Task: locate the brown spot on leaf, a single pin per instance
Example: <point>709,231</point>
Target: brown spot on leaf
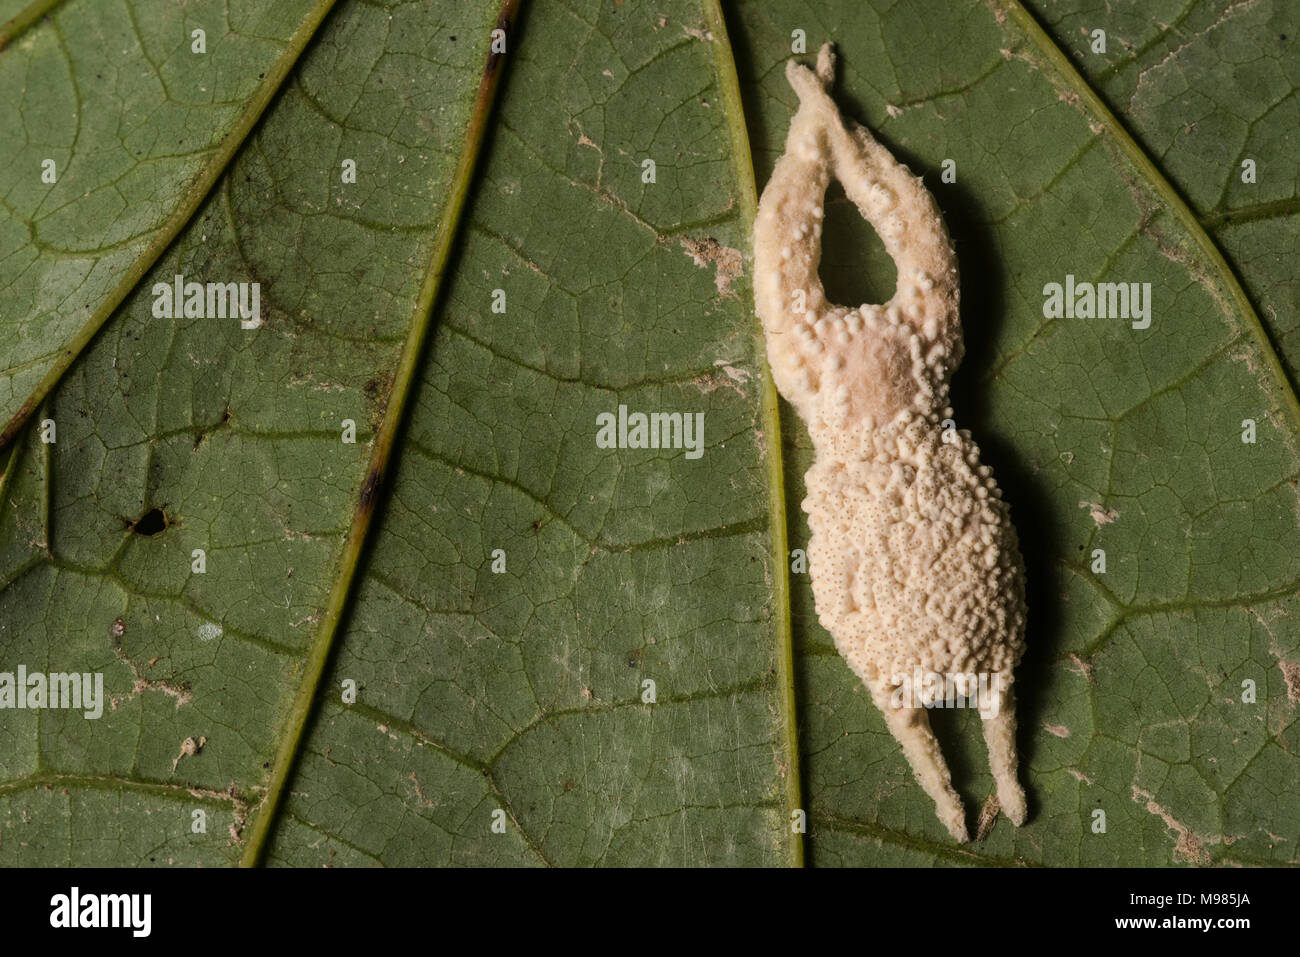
<point>988,817</point>
<point>1101,516</point>
<point>1189,847</point>
<point>371,488</point>
<point>709,252</point>
<point>1082,667</point>
<point>1291,675</point>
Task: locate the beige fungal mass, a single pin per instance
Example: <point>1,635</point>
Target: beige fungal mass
<point>913,558</point>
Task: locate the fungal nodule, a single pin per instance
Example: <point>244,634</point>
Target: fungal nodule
<point>914,562</point>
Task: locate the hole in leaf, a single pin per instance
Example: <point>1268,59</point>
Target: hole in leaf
<point>855,267</point>
<point>151,522</point>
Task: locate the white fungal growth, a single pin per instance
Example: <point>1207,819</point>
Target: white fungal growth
<point>913,558</point>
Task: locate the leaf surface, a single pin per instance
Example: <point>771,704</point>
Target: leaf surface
<point>237,436</point>
<point>1205,87</point>
<point>129,126</point>
<point>629,573</point>
<point>521,692</point>
<point>569,654</point>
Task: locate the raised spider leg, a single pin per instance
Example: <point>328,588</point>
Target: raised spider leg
<point>853,362</point>
<point>1000,735</point>
<point>911,728</point>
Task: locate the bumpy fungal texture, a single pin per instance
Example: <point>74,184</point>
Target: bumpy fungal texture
<point>913,558</point>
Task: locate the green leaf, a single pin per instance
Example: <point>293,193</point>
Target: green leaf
<point>126,156</point>
<point>520,692</point>
<point>236,434</point>
<point>1205,87</point>
<point>523,692</point>
<point>501,713</point>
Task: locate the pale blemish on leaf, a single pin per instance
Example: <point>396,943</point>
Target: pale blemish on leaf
<point>1083,668</point>
<point>189,748</point>
<point>709,252</point>
<point>1100,515</point>
<point>1190,847</point>
<point>1291,675</point>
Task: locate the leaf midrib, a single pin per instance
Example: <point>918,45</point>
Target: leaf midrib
<point>405,379</point>
<point>742,158</point>
<point>24,19</point>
